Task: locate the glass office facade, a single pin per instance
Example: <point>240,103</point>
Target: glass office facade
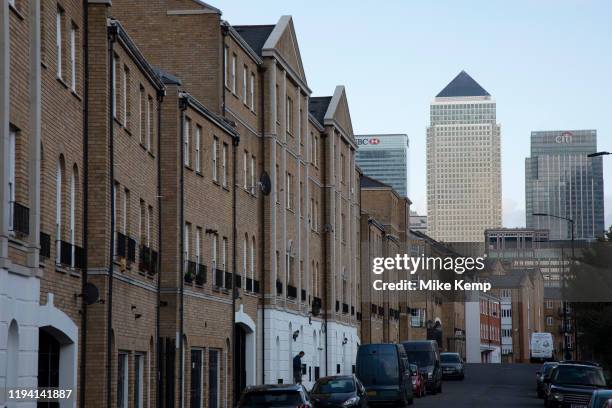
<point>385,158</point>
<point>561,180</point>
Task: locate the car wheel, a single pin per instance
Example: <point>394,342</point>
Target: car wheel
<point>440,388</point>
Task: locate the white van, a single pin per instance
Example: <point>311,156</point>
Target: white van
<point>542,347</point>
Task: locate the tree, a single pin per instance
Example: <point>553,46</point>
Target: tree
<point>589,289</point>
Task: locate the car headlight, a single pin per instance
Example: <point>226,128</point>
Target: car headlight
<point>430,375</point>
<point>557,397</point>
<point>350,402</point>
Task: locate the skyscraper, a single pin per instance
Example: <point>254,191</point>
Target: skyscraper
<point>560,180</point>
<point>463,163</point>
<point>385,158</point>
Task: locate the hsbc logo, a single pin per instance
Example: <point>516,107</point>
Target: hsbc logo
<point>370,141</point>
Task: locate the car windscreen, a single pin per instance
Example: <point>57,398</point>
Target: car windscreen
<point>378,366</point>
<point>579,375</point>
<point>548,368</point>
<point>271,399</point>
<point>449,358</point>
<point>422,358</point>
<point>334,386</point>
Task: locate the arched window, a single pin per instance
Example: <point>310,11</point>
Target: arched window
<point>245,251</point>
<point>58,208</point>
<point>252,266</point>
<point>73,198</point>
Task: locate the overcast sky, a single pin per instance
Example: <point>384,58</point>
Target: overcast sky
<point>547,63</point>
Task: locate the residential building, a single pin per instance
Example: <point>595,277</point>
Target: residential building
<point>463,163</point>
<point>521,294</point>
<point>385,218</point>
<point>385,158</point>
<point>483,328</point>
<point>561,181</point>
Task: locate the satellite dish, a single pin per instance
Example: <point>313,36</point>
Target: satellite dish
<point>265,184</point>
<point>90,293</point>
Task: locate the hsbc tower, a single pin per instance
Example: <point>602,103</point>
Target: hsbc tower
<point>385,158</point>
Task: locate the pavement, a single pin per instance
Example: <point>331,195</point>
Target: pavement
<point>488,385</point>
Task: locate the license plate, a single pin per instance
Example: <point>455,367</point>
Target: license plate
<point>578,406</point>
<point>373,394</point>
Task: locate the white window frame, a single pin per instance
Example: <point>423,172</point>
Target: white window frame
<point>186,126</point>
<point>126,382</point>
<point>224,165</point>
<point>233,73</point>
<point>289,115</point>
<point>186,236</point>
<point>288,186</point>
<point>198,141</point>
<point>245,254</point>
<point>198,244</point>
<point>58,212</point>
<point>252,92</point>
<point>58,41</point>
<point>139,359</point>
<point>224,254</point>
<point>141,109</point>
<point>73,58</point>
<point>149,120</point>
<point>215,243</point>
<point>149,226</point>
<point>11,178</point>
<point>252,261</point>
<point>72,216</point>
<point>124,94</point>
<point>245,75</point>
<point>252,175</point>
<point>124,207</point>
<point>225,62</point>
<point>215,174</point>
<point>245,169</point>
<point>114,84</point>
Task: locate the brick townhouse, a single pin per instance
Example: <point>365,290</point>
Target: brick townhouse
<point>179,216</point>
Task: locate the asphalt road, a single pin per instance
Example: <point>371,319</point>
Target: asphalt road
<point>488,385</point>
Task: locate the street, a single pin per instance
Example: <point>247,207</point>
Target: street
<point>488,385</point>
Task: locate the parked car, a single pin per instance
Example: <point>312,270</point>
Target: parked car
<point>426,355</point>
<point>571,385</point>
<point>543,374</point>
<point>384,371</point>
<point>600,399</point>
<point>452,366</point>
<point>418,382</point>
<point>275,395</point>
<point>338,391</point>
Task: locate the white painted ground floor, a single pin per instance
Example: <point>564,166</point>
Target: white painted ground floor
<point>38,343</point>
<point>329,348</point>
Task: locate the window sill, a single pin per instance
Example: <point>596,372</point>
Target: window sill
<point>216,182</point>
<point>151,154</point>
<point>226,188</point>
<point>199,173</point>
<point>76,95</point>
<point>188,167</point>
<point>17,13</point>
<point>61,81</point>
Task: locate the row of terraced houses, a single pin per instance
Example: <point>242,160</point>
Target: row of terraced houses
<point>180,217</point>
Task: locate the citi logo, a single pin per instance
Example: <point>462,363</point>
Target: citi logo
<point>565,137</point>
<point>371,141</point>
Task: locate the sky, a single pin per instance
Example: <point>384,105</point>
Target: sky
<point>547,63</point>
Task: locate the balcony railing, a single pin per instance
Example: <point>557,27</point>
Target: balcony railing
<point>381,311</point>
<point>147,260</point>
<point>256,286</point>
<point>374,309</point>
<point>345,308</point>
<point>228,280</point>
<point>239,281</point>
<point>121,246</point>
<point>131,250</point>
<point>352,310</point>
<point>337,306</point>
<point>303,295</point>
<point>279,287</point>
<point>21,218</point>
<point>71,255</point>
<point>200,277</point>
<point>219,277</point>
<point>358,316</point>
<point>190,271</point>
<point>291,292</point>
<point>45,245</point>
<point>249,285</point>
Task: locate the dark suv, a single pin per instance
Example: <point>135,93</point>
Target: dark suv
<point>571,385</point>
<point>275,395</point>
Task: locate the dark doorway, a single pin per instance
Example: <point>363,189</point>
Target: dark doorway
<point>196,378</point>
<point>48,364</point>
<point>239,362</point>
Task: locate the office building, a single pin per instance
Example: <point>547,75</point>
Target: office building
<point>463,163</point>
<point>385,158</point>
<point>560,180</point>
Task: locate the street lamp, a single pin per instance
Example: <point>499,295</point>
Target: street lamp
<point>596,154</point>
<point>571,221</point>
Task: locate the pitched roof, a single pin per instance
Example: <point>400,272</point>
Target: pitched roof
<point>317,106</point>
<point>462,85</point>
<point>255,35</point>
<point>369,182</point>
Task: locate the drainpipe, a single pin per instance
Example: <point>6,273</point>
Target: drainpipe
<point>235,143</point>
<point>261,69</point>
<point>83,368</point>
<point>224,32</point>
<point>112,37</point>
<point>160,98</point>
<point>325,275</point>
<point>183,108</point>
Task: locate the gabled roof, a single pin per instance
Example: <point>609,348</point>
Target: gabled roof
<point>317,106</point>
<point>462,85</point>
<point>369,182</point>
<point>255,35</point>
